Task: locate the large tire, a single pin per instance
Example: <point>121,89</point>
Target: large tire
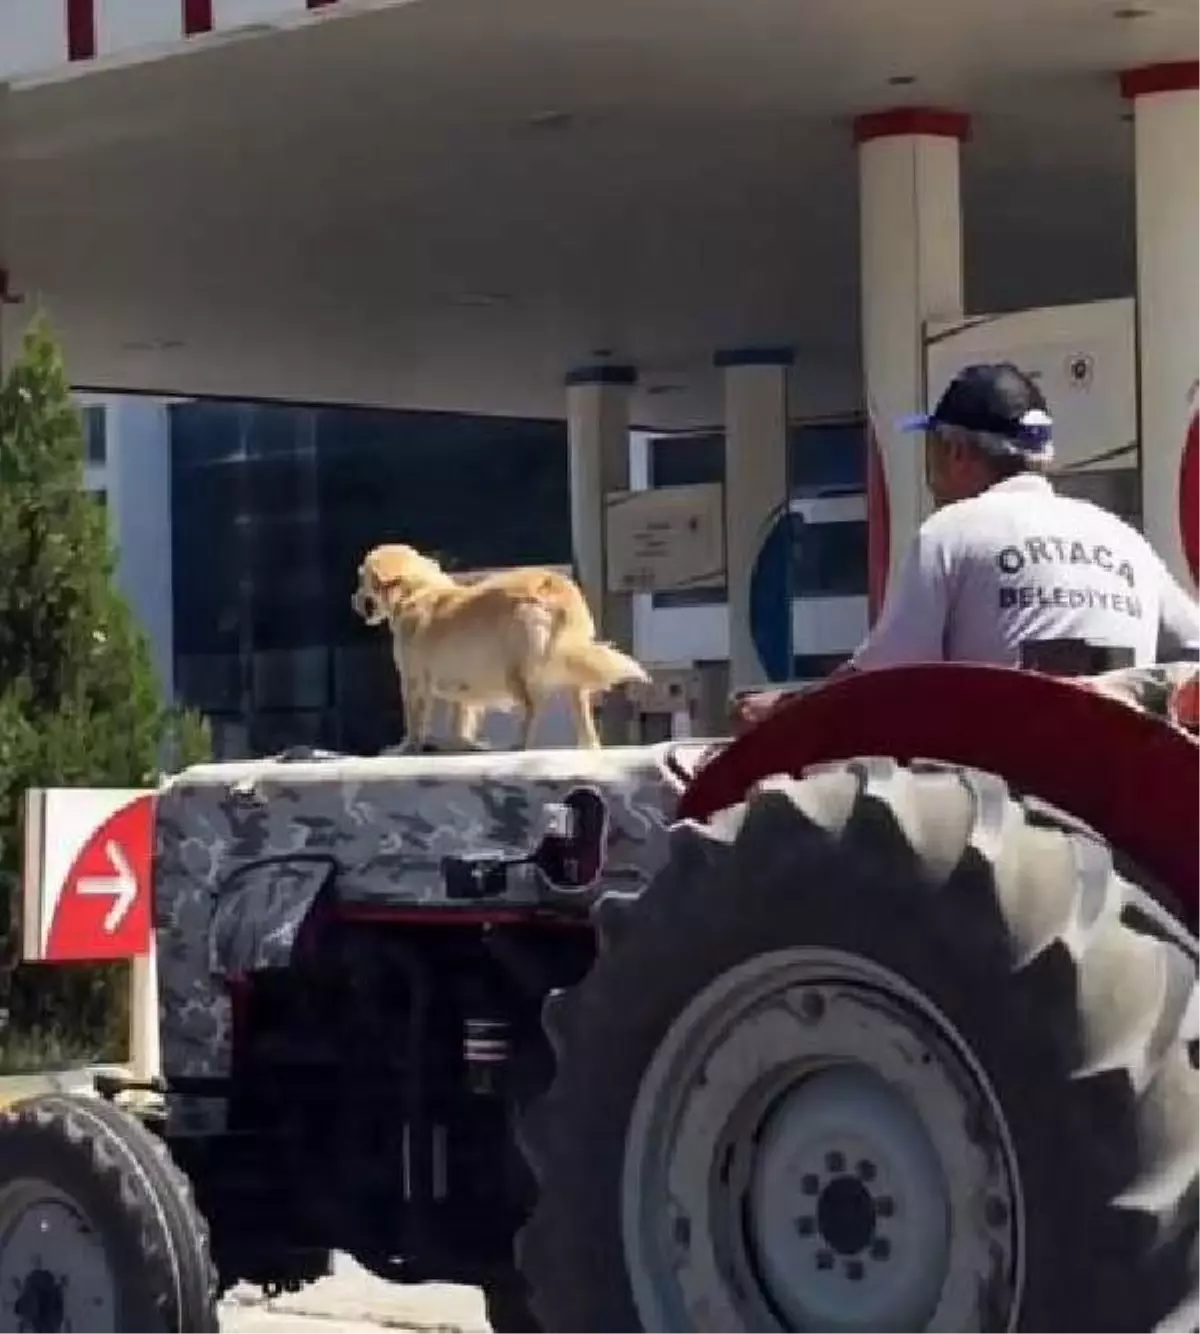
<point>1008,1142</point>
<point>98,1229</point>
<point>507,1303</point>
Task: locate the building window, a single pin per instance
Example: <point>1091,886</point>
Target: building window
<point>100,496</point>
<point>685,460</point>
<point>829,560</point>
<point>95,434</point>
<point>692,597</point>
<point>824,458</point>
<point>273,508</point>
<point>827,458</point>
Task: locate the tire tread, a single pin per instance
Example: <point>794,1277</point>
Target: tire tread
<point>1041,903</point>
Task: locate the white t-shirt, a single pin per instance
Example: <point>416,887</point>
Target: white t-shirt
<point>1019,563</point>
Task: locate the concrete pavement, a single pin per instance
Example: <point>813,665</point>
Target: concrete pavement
<point>266,1322</point>
<point>353,1300</point>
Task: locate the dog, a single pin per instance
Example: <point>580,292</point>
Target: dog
<point>507,640</point>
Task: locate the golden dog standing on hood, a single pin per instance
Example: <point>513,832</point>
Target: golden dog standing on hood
<point>509,640</point>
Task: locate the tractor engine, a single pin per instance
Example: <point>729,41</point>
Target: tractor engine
<point>375,1086</point>
<point>373,963</point>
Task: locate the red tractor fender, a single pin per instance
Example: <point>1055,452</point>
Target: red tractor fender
<point>1131,777</point>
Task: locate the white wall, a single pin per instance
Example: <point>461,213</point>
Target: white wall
<point>678,636</point>
<point>137,481</point>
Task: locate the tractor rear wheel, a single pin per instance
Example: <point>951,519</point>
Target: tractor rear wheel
<point>875,1050</point>
<point>508,1309</point>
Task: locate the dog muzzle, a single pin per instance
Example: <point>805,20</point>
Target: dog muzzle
<point>364,605</point>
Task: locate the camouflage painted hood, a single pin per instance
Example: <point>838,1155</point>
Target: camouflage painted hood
<point>243,850</point>
<point>389,821</point>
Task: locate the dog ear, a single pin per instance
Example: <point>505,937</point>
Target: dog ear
<point>385,563</point>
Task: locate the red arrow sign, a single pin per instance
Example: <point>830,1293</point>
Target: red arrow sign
<point>103,911</point>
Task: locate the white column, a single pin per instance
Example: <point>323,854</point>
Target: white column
<point>758,549</point>
<point>1166,130</point>
<point>910,235</point>
<point>598,438</point>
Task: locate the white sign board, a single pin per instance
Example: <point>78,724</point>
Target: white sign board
<point>665,539</point>
<point>1082,356</point>
<point>87,874</point>
<point>88,890</point>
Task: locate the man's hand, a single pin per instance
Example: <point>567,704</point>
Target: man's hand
<point>748,709</point>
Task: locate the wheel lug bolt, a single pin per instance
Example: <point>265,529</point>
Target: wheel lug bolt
<point>854,1270</point>
<point>885,1206</point>
<point>824,1259</point>
<point>806,1226</point>
<point>811,1183</point>
<point>866,1170</point>
<point>835,1161</point>
<point>881,1248</point>
<point>812,1007</point>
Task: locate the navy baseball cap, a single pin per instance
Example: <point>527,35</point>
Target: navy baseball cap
<point>993,399</point>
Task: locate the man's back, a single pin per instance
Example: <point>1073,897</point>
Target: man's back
<point>1017,566</point>
<point>1025,565</point>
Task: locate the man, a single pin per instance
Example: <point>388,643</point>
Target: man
<point>1005,571</point>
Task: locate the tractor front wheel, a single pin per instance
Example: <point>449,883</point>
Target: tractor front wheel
<point>876,1050</point>
<point>98,1229</point>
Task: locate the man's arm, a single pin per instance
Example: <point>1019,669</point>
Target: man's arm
<point>911,628</point>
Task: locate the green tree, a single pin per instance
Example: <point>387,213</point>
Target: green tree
<point>79,702</point>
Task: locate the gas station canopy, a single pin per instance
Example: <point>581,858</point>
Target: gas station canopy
<point>449,203</point>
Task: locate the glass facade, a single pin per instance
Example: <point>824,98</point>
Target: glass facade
<point>824,459</point>
<point>272,509</point>
<point>95,433</point>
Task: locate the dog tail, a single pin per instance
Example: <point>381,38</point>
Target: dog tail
<point>585,664</point>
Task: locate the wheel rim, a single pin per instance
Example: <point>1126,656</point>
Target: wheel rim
<point>54,1272</point>
<point>813,1146</point>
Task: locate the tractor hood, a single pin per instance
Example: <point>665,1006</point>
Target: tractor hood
<point>244,849</point>
<point>389,821</point>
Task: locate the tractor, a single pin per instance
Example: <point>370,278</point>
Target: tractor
<point>881,1015</point>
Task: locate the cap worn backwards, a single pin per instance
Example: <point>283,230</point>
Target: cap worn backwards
<point>999,403</point>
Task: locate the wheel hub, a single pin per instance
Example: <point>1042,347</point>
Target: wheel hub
<point>54,1272</point>
<point>40,1305</point>
<point>846,1215</point>
<point>844,1158</point>
<point>810,1149</point>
